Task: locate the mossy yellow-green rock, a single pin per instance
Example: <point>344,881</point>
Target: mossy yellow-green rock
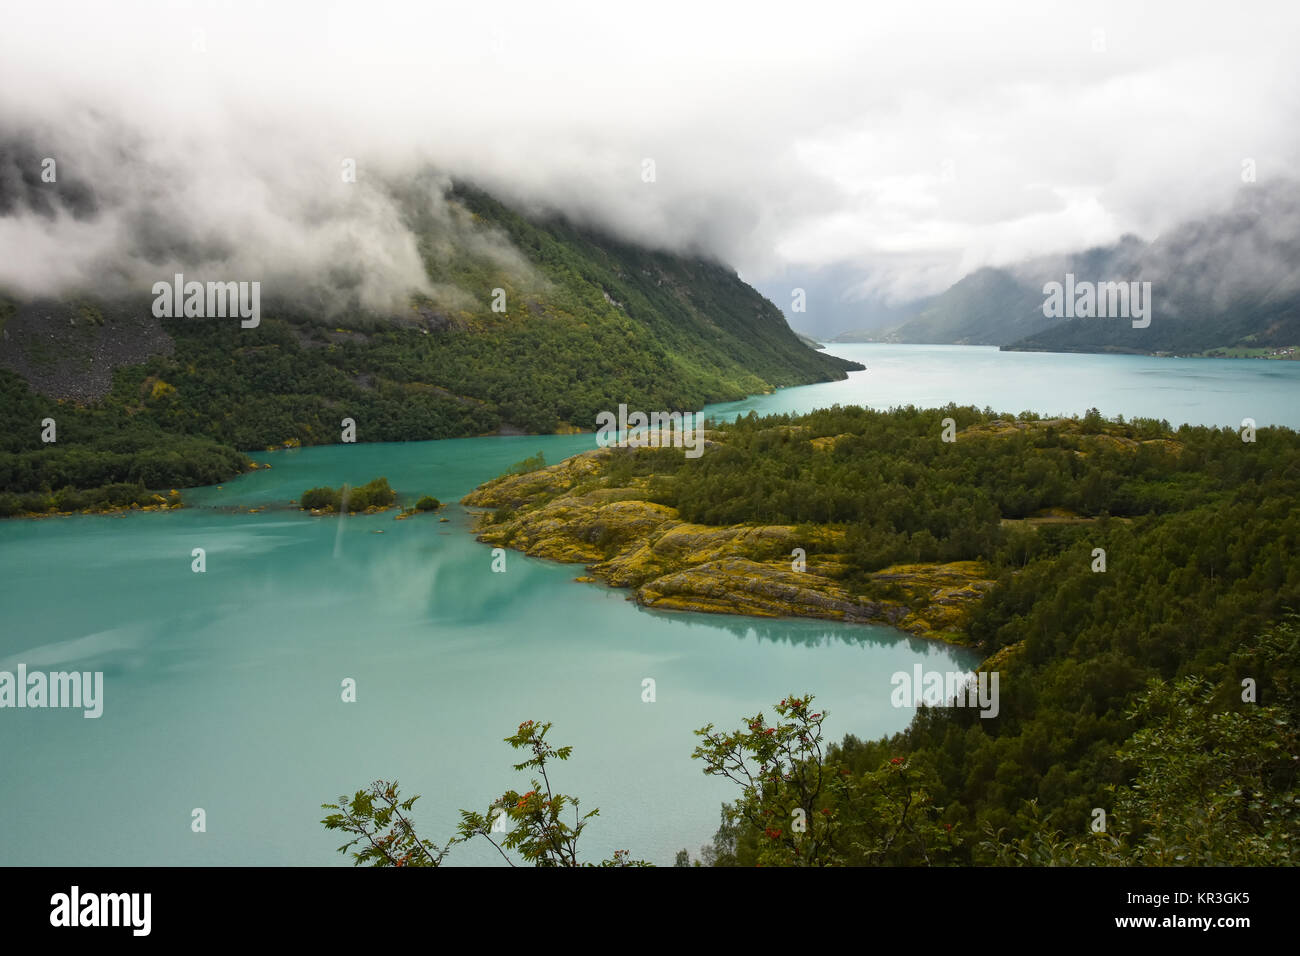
<point>575,513</point>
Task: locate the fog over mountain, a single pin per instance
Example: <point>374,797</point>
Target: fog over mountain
<point>1214,281</point>
<point>870,156</point>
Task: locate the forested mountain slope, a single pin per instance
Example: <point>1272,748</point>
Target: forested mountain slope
<point>583,322</point>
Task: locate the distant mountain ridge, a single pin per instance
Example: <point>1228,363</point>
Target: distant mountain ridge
<point>1231,280</point>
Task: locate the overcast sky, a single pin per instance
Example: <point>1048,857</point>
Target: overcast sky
<point>860,149</point>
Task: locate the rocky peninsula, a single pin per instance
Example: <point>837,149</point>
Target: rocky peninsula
<point>576,512</point>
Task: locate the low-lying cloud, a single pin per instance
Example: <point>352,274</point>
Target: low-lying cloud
<point>891,149</point>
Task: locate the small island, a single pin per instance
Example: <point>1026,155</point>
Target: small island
<point>374,496</point>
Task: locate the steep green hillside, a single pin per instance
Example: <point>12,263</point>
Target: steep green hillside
<point>589,323</point>
<point>987,307</point>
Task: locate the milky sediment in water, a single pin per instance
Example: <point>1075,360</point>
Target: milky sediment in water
<point>222,690</point>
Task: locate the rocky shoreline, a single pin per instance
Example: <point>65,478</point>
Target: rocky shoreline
<point>172,502</point>
<point>573,513</point>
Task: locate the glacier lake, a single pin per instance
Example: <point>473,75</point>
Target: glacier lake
<point>222,690</point>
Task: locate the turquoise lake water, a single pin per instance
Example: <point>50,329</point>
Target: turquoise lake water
<point>1181,391</point>
<point>223,689</point>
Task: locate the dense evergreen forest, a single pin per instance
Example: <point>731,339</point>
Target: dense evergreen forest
<point>588,323</point>
<point>1121,690</point>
